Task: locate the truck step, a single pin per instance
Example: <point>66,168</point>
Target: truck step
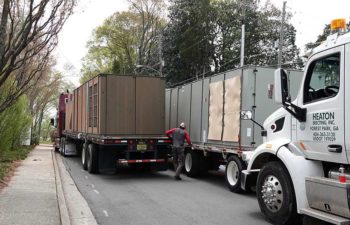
<point>330,218</point>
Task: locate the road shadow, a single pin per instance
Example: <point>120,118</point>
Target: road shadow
<point>214,178</point>
<point>128,173</point>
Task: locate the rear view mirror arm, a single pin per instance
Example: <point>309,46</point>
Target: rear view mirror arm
<point>257,124</point>
<point>298,112</point>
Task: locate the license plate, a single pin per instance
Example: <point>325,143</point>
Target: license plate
<point>141,147</point>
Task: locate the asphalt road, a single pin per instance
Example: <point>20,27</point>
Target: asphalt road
<point>131,197</point>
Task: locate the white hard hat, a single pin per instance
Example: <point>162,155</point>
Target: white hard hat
<point>182,125</point>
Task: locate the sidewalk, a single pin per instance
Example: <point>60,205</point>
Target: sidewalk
<point>31,195</point>
<point>42,192</point>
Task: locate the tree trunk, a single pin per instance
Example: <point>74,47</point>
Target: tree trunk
<point>3,29</point>
<point>39,123</point>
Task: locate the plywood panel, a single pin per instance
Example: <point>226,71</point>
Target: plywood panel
<point>232,109</point>
<point>215,110</point>
<point>120,98</point>
<point>150,100</point>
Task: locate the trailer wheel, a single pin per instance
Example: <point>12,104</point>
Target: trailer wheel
<point>83,156</point>
<point>92,158</point>
<point>276,195</point>
<point>233,172</point>
<point>63,146</point>
<point>192,163</point>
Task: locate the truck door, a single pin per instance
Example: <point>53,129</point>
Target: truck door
<point>347,98</point>
<point>322,94</point>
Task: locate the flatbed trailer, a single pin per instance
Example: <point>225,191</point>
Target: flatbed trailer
<point>211,108</point>
<point>114,120</point>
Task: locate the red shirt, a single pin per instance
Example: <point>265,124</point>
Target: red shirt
<point>170,133</point>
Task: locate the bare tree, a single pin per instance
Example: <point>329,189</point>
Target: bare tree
<point>151,19</point>
<point>28,35</point>
<point>40,97</point>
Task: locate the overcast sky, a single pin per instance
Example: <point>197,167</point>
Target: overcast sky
<point>309,19</point>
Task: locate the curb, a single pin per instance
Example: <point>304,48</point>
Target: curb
<point>74,206</point>
<point>62,205</point>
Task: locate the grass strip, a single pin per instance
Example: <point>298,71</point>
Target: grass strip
<point>8,157</point>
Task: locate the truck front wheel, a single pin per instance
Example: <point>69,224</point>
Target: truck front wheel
<point>83,156</point>
<point>233,172</point>
<point>276,195</point>
<point>92,158</point>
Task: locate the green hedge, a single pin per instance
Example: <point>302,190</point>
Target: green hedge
<point>15,123</point>
<point>8,157</point>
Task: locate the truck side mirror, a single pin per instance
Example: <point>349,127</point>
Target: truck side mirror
<point>52,122</point>
<point>246,115</point>
<point>282,96</point>
<point>281,86</point>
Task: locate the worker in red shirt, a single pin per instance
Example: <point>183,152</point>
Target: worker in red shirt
<point>178,135</point>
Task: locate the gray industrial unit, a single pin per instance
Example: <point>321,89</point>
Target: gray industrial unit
<point>211,109</point>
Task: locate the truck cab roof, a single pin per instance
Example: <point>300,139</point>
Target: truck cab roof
<point>332,40</point>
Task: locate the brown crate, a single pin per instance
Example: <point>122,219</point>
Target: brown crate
<point>150,100</point>
<point>124,105</point>
<point>75,110</point>
<point>69,113</point>
<point>120,105</point>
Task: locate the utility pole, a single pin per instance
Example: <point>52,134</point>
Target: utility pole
<point>160,48</point>
<point>243,33</point>
<point>280,42</point>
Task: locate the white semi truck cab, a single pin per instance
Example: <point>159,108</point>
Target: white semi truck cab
<point>303,166</point>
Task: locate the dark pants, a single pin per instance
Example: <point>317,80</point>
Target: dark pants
<point>178,159</point>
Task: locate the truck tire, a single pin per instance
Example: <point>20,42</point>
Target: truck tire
<point>233,172</point>
<point>276,195</point>
<point>92,158</point>
<point>63,146</point>
<point>192,163</point>
<point>83,156</point>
